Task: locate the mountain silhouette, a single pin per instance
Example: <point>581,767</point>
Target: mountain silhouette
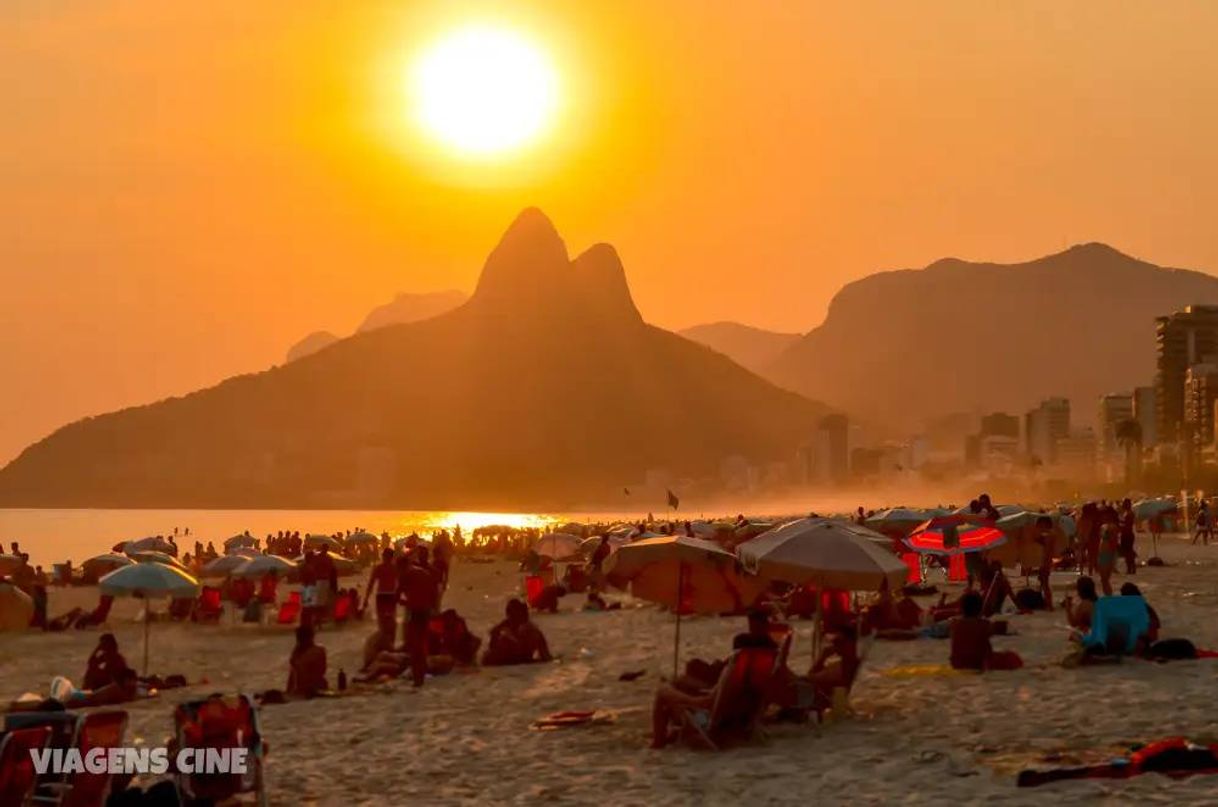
<point>754,348</point>
<point>402,309</point>
<point>897,347</point>
<point>545,389</point>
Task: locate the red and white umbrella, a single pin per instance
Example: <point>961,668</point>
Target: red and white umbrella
<point>955,535</point>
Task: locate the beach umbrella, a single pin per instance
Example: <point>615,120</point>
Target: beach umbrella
<point>242,540</point>
<point>589,545</point>
<point>896,521</point>
<point>831,554</point>
<point>688,575</point>
<point>101,564</point>
<point>222,566</point>
<point>315,541</point>
<point>16,608</point>
<point>955,534</point>
<point>1149,508</point>
<point>260,565</point>
<point>573,528</point>
<point>242,552</point>
<point>400,543</point>
<point>148,580</point>
<point>155,543</point>
<point>149,556</point>
<point>9,564</point>
<point>344,566</point>
<point>362,537</point>
<point>558,545</point>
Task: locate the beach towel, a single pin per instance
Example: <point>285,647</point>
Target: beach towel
<point>1117,624</point>
<point>1175,757</point>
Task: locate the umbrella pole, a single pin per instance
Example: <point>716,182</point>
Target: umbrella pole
<point>676,639</point>
<point>147,623</point>
<point>816,623</point>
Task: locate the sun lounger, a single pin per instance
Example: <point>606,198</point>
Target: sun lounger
<point>17,774</point>
<point>221,722</point>
<point>208,607</point>
<point>741,697</point>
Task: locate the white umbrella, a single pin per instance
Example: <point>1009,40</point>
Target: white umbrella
<point>259,566</point>
<point>149,556</point>
<point>558,545</point>
<point>243,552</point>
<point>832,554</point>
<point>155,543</point>
<point>344,566</point>
<point>148,580</point>
<point>244,539</point>
<point>589,545</point>
<point>108,562</point>
<point>362,537</point>
<point>316,541</point>
<point>222,566</point>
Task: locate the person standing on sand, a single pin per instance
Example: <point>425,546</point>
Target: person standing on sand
<point>308,589</point>
<point>420,592</point>
<point>385,577</point>
<point>1203,528</point>
<point>1127,521</point>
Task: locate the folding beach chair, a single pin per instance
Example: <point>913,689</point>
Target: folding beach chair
<point>289,611</point>
<point>62,727</point>
<point>741,697</point>
<point>105,729</point>
<point>221,722</point>
<point>17,774</point>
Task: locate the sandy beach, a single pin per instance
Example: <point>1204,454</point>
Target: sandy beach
<point>466,737</point>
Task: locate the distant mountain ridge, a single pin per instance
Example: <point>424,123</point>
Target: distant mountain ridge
<point>897,347</point>
<point>404,308</point>
<point>545,389</point>
<point>751,347</point>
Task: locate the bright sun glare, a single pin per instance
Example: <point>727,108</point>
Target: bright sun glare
<point>484,91</point>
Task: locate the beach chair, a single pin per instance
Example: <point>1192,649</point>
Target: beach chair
<point>342,609</point>
<point>105,729</point>
<point>957,569</point>
<point>534,584</point>
<point>18,776</point>
<point>208,607</point>
<point>220,722</point>
<point>913,561</point>
<point>289,611</point>
<point>1118,625</point>
<point>741,697</point>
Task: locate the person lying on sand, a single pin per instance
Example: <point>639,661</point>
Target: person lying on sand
<point>1078,616</point>
<point>307,666</point>
<point>105,665</point>
<point>970,637</point>
<point>515,640</point>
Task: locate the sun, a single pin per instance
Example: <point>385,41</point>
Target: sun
<point>484,91</point>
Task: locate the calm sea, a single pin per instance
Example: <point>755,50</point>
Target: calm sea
<point>51,536</point>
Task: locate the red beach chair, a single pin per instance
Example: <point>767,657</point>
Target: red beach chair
<point>17,773</point>
<point>96,730</point>
<point>914,561</point>
<point>209,608</point>
<point>533,586</point>
<point>219,722</point>
<point>957,570</point>
<point>289,611</point>
<point>741,697</point>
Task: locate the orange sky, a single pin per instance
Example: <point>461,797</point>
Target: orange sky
<point>187,188</point>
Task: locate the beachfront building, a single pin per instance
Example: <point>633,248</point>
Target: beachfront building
<point>1000,424</point>
<point>1145,413</point>
<point>1183,339</point>
<point>1044,426</point>
<point>1200,393</point>
<point>1076,454</point>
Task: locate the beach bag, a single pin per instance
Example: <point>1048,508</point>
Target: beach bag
<point>1029,599</point>
<point>1172,650</point>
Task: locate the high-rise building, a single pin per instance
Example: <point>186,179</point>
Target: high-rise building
<point>833,448</point>
<point>1076,453</point>
<point>1144,412</point>
<point>1000,424</point>
<point>1200,392</point>
<point>1183,339</point>
<point>1044,426</point>
<point>1114,408</point>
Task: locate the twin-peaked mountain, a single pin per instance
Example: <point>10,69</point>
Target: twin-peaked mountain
<point>545,389</point>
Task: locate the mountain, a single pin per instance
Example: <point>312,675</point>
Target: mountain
<point>897,347</point>
<point>402,309</point>
<point>754,348</point>
<point>318,340</point>
<point>544,390</point>
<point>412,308</point>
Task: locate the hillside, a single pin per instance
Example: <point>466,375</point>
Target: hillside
<point>899,346</point>
<point>402,309</point>
<point>754,348</point>
<point>546,388</point>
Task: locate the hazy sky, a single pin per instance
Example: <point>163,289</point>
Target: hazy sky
<point>187,188</point>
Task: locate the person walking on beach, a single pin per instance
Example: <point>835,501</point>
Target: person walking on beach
<point>1203,527</point>
<point>1127,523</point>
<point>385,578</point>
<point>420,593</point>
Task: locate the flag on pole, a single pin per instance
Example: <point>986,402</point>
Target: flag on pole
<point>673,501</point>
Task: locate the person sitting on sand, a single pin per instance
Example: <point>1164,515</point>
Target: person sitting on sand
<point>1152,633</point>
<point>105,664</point>
<point>307,666</point>
<point>515,640</point>
<point>455,640</point>
<point>890,614</point>
<point>1079,616</point>
<point>970,637</point>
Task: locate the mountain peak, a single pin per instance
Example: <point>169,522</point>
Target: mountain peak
<point>526,265</point>
<point>602,280</point>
